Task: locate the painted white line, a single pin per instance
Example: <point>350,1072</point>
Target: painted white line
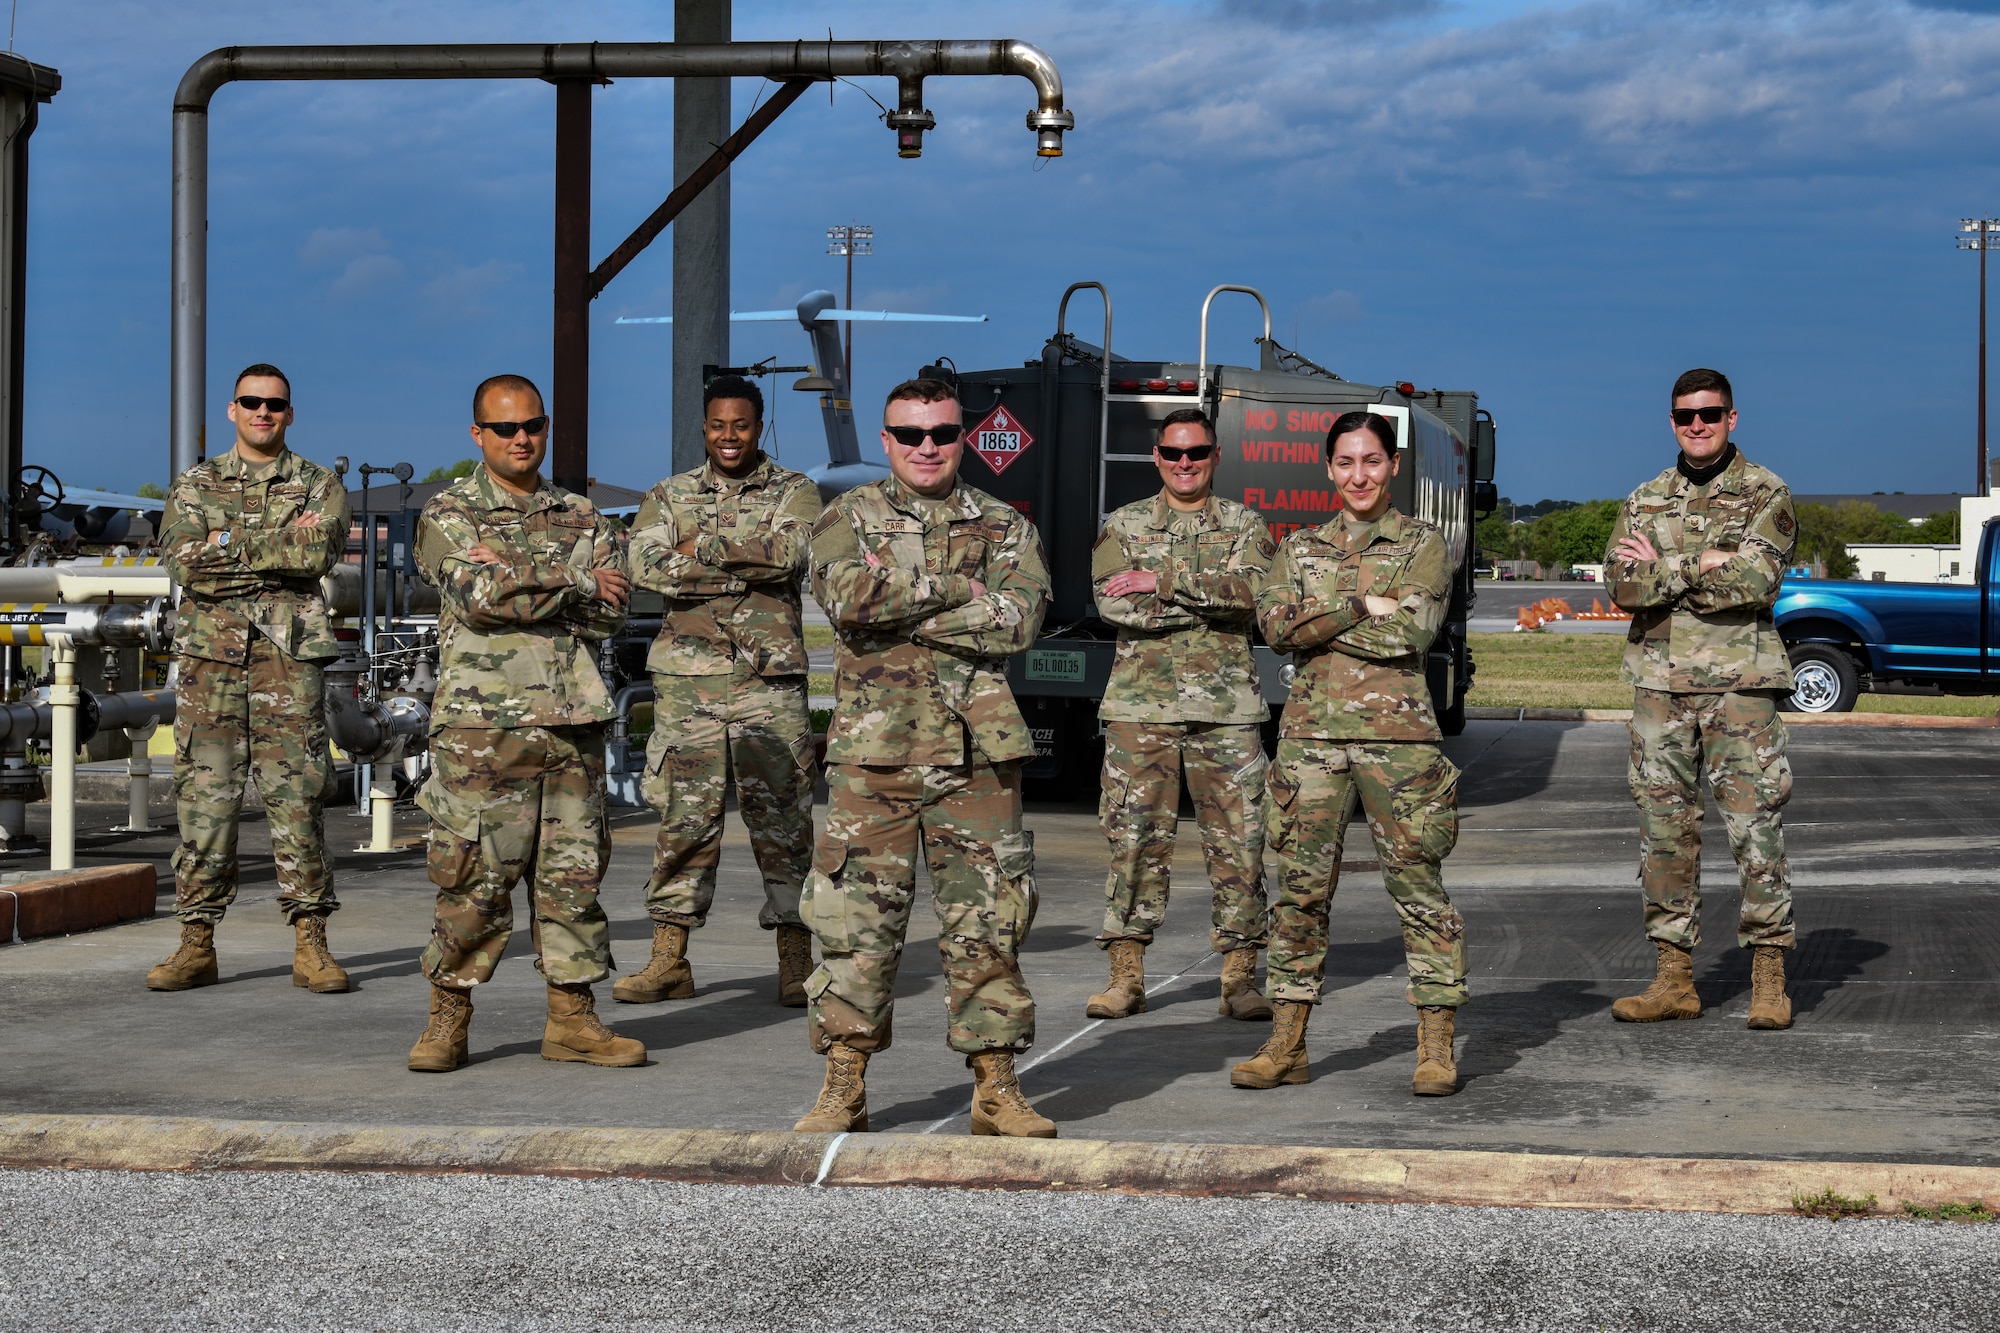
<point>1087,1028</point>
<point>826,1162</point>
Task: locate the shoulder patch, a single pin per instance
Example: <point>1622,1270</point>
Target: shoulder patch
<point>1783,522</point>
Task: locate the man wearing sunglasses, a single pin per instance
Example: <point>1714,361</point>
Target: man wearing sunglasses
<point>1179,576</point>
<point>531,580</point>
<point>1696,556</point>
<point>726,545</point>
<point>931,587</point>
<point>248,535</point>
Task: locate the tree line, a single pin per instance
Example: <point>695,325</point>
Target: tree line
<point>1562,533</point>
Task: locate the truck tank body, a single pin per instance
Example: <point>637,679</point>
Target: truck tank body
<point>1034,443</point>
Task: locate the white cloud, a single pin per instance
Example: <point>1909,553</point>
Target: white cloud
<point>364,274</point>
<point>340,245</point>
<point>467,292</point>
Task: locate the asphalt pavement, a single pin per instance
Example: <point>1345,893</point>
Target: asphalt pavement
<point>220,1250</point>
<point>1895,1055</point>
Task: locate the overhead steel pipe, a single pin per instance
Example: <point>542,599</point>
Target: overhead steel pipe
<point>909,63</point>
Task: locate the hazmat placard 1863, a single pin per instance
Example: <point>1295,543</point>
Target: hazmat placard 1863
<point>1000,439</point>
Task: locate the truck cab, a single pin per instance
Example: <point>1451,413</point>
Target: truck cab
<point>1846,637</point>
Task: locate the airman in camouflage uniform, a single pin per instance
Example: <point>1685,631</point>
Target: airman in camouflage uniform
<point>1359,600</point>
<point>726,544</point>
<point>1697,556</point>
<point>931,586</point>
<point>248,536</point>
<point>530,578</point>
<point>1179,576</point>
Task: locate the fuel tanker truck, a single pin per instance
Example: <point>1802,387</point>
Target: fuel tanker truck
<point>1067,438</point>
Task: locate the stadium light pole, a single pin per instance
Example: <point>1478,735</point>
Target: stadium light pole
<point>851,240</point>
<point>1973,233</point>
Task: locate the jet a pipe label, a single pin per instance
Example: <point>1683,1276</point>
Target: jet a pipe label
<point>1000,439</point>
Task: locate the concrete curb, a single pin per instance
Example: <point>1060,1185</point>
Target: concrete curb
<point>1791,719</point>
<point>1347,1175</point>
<point>33,907</point>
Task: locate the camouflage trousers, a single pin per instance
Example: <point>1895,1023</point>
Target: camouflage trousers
<point>966,819</point>
<point>1140,812</point>
<point>1737,741</point>
<point>267,717</point>
<point>707,729</point>
<point>508,804</point>
<point>1410,793</point>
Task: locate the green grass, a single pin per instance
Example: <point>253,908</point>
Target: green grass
<point>1833,1206</point>
<point>819,636</point>
<point>1544,669</point>
<point>1976,1211</point>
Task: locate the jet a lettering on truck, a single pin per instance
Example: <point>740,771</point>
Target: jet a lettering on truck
<point>1087,420</point>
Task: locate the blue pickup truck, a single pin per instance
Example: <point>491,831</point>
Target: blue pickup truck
<point>1845,637</point>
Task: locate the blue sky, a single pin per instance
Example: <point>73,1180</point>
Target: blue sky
<point>1561,206</point>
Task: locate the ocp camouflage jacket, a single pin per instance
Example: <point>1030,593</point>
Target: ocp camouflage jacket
<point>920,663</point>
<point>514,636</point>
<point>737,597</point>
<point>1696,633</point>
<point>267,577</point>
<point>1358,676</point>
<point>1184,649</point>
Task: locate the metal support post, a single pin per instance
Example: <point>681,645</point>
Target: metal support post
<point>569,445</point>
<point>701,232</point>
<point>382,807</point>
<point>139,779</point>
<point>64,698</point>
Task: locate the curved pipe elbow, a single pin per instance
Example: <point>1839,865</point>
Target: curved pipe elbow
<point>204,77</point>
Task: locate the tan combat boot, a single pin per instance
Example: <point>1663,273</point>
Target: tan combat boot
<point>842,1107</point>
<point>1670,996</point>
<point>312,965</point>
<point>573,1032</point>
<point>192,964</point>
<point>1437,1071</point>
<point>1126,995</point>
<point>442,1048</point>
<point>1770,1007</point>
<point>795,964</point>
<point>666,976</point>
<point>1240,996</point>
<point>1282,1057</point>
<point>997,1104</point>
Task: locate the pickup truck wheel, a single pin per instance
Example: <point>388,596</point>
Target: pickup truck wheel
<point>1824,680</point>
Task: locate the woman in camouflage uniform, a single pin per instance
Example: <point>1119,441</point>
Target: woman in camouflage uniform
<point>1358,601</point>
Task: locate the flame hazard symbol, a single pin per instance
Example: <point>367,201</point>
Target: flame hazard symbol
<point>1000,439</point>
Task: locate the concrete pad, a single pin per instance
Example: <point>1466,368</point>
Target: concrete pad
<point>39,903</point>
<point>1895,1056</point>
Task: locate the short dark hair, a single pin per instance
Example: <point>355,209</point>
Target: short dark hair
<point>1187,416</point>
<point>1702,380</point>
<point>504,382</point>
<point>1375,423</point>
<point>734,386</point>
<point>263,370</point>
<point>922,391</point>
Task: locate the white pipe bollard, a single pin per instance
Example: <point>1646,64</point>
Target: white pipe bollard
<point>382,807</point>
<point>139,773</point>
<point>63,699</point>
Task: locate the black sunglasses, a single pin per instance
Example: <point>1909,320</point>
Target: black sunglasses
<point>1684,416</point>
<point>911,437</point>
<point>507,430</point>
<point>250,402</point>
<point>1194,453</point>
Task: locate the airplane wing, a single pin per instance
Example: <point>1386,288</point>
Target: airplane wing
<point>81,495</point>
<point>777,316</point>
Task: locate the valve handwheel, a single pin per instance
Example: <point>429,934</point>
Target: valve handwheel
<point>43,479</point>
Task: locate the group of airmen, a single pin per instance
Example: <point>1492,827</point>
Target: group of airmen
<point>931,585</point>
